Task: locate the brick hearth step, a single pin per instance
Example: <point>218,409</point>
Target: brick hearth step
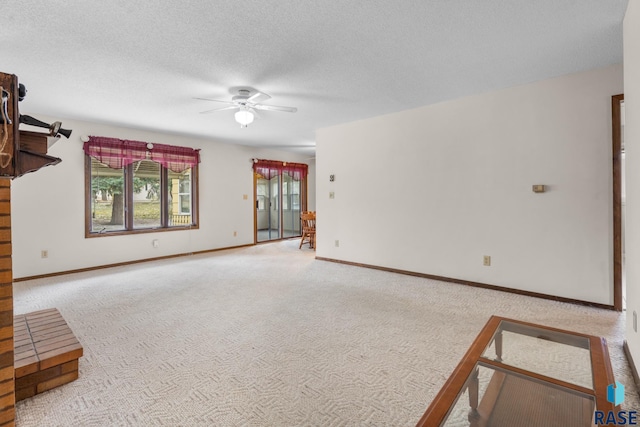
<point>46,352</point>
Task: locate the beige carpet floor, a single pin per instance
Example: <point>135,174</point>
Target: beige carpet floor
<point>269,336</point>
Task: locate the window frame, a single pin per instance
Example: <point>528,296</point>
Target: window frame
<point>128,201</point>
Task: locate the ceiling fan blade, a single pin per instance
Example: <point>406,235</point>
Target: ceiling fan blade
<point>217,100</point>
<point>258,97</point>
<point>275,108</point>
<point>231,107</point>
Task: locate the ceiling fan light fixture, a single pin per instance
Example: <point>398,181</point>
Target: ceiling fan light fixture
<point>247,105</point>
<point>244,117</point>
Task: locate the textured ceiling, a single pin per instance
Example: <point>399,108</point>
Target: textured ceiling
<point>141,64</point>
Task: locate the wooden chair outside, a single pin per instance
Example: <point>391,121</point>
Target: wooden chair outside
<point>308,220</point>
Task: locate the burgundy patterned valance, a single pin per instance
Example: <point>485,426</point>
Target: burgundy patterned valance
<point>270,168</point>
<point>117,153</point>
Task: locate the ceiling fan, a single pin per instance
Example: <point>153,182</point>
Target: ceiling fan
<point>246,103</point>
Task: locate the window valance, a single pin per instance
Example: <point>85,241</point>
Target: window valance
<point>117,153</point>
<point>270,168</point>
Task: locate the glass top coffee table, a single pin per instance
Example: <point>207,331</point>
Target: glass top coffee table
<point>521,374</point>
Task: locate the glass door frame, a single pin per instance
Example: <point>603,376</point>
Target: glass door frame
<point>303,207</point>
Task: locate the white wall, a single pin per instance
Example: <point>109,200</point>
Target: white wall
<point>311,186</point>
<point>432,190</point>
<point>48,206</point>
<point>632,149</point>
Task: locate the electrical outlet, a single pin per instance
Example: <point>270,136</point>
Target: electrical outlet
<point>486,261</point>
<point>44,254</point>
<point>337,243</point>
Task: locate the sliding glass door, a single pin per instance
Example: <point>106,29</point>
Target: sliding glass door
<point>290,206</point>
<point>280,195</point>
<point>267,207</point>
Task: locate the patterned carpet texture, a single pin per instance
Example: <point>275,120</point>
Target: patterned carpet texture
<point>268,336</point>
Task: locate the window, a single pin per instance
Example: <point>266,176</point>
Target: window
<point>181,200</point>
<point>134,187</point>
<point>107,198</point>
<point>146,194</point>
